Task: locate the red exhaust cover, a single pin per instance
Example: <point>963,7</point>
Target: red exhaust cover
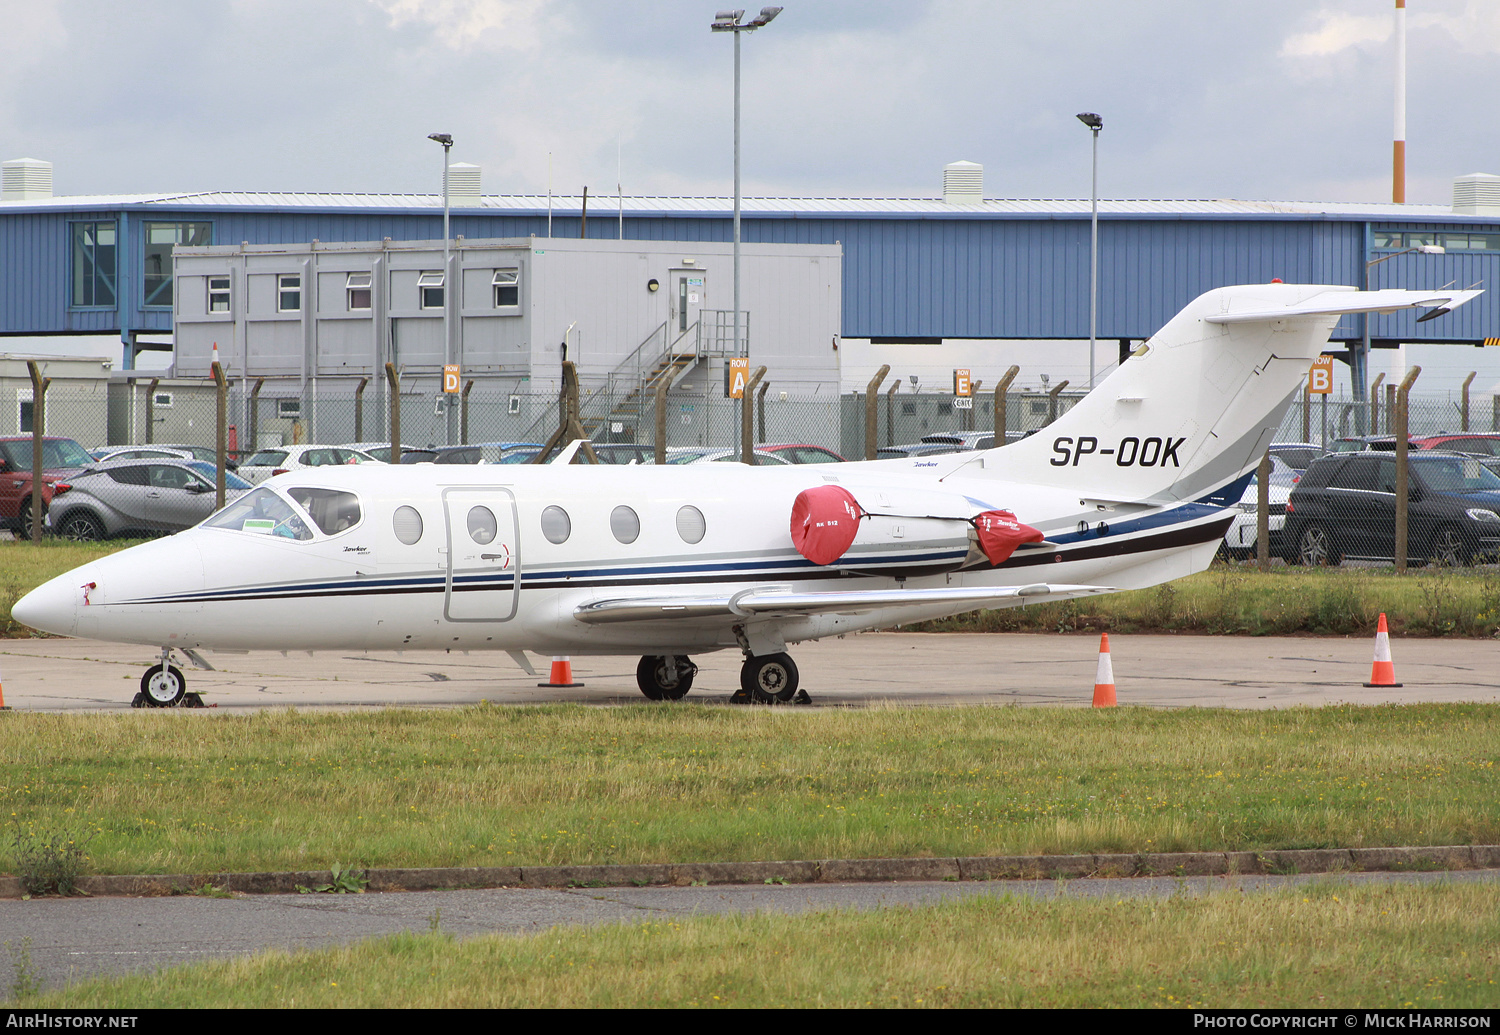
<point>824,522</point>
<point>1000,533</point>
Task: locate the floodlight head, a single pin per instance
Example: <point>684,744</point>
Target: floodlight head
<point>725,21</point>
<point>765,16</point>
<point>1430,249</point>
<point>1092,121</point>
<point>446,139</point>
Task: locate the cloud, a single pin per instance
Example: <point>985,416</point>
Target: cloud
<point>465,25</point>
<point>1338,32</point>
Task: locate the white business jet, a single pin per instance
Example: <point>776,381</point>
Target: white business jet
<point>669,562</point>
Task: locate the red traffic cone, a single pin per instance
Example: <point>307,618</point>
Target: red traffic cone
<point>1104,681</point>
<point>1383,673</point>
<point>562,674</point>
<point>3,706</point>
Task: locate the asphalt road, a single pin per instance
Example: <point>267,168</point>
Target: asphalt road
<point>71,939</point>
<point>861,670</point>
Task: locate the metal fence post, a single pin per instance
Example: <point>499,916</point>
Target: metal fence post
<point>221,422</point>
<point>1401,468</point>
<point>662,384</point>
<point>1390,407</point>
<point>254,421</point>
<point>747,440</point>
<point>1374,395</point>
<point>1307,409</point>
<point>359,409</point>
<point>1464,411</point>
<point>463,413</point>
<point>151,409</point>
<point>1002,388</point>
<point>760,407</point>
<point>1263,513</point>
<point>1052,400</point>
<point>38,425</point>
<point>394,380</point>
<point>870,414</point>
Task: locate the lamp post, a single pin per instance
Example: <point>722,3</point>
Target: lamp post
<point>446,139</point>
<point>729,21</point>
<point>1094,123</point>
<point>1359,377</point>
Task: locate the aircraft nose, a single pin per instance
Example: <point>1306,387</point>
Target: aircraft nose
<point>51,607</point>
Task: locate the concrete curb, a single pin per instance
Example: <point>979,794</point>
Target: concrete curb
<point>1011,867</point>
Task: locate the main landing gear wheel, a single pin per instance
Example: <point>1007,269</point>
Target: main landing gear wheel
<point>769,678</point>
<point>665,677</point>
<point>163,686</point>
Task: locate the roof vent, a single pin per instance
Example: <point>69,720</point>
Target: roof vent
<point>463,181</point>
<point>963,183</point>
<point>26,179</point>
<point>1477,194</point>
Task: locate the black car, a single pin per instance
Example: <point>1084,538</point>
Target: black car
<point>1345,507</point>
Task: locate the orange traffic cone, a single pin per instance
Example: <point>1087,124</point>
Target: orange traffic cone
<point>1383,673</point>
<point>3,706</point>
<point>1104,681</point>
<point>562,674</point>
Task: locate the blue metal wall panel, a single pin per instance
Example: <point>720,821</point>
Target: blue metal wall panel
<point>1025,277</point>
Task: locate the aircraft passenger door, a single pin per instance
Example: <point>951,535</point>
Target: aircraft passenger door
<point>484,569</point>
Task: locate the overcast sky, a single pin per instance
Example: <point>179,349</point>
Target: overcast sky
<point>1277,99</point>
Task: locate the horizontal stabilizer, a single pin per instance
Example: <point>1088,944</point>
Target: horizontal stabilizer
<point>1337,303</point>
<point>782,602</point>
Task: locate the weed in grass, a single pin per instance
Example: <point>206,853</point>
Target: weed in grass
<point>1440,615</point>
<point>435,921</point>
<point>346,880</point>
<point>777,880</point>
<point>24,981</point>
<point>1163,605</point>
<point>50,863</point>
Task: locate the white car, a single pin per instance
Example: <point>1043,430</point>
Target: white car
<point>281,459</point>
<point>1239,541</point>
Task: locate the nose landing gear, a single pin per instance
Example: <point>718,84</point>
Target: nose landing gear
<point>164,687</point>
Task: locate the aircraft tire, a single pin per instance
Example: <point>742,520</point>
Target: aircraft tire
<point>770,678</point>
<point>650,676</point>
<point>163,689</point>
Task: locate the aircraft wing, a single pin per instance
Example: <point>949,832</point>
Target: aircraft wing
<point>1332,303</point>
<point>773,601</point>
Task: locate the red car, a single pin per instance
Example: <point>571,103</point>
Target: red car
<point>60,458</point>
<point>799,453</point>
<point>1462,442</point>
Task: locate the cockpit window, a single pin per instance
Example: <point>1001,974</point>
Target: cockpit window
<point>263,512</point>
<point>332,509</point>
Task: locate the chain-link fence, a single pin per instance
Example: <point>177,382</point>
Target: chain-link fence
<point>1359,505</point>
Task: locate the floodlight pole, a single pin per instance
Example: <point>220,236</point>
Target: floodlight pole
<point>729,21</point>
<point>1095,124</point>
<point>450,399</point>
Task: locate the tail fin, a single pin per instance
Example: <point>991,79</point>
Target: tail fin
<point>1195,407</point>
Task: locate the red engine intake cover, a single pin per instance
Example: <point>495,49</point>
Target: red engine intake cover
<point>1000,533</point>
<point>824,522</point>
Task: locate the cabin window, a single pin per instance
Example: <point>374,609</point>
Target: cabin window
<point>333,510</point>
<point>264,513</point>
<point>482,525</point>
<point>690,525</point>
<point>625,524</point>
<point>407,524</point>
<point>357,291</point>
<point>556,525</point>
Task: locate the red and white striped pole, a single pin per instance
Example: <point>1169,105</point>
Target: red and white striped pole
<point>1398,149</point>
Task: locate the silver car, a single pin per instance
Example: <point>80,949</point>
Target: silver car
<point>143,497</point>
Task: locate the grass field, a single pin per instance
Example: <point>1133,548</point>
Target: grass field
<point>199,791</point>
<point>1327,945</point>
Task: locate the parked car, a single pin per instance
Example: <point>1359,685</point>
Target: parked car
<point>208,454</point>
<point>61,458</point>
<point>379,450</point>
<point>1462,442</point>
<point>1364,444</point>
<point>1345,507</point>
<point>1296,455</point>
<point>914,449</point>
<point>106,453</point>
<point>1240,540</point>
<point>705,455</point>
<point>291,458</point>
<point>801,453</point>
<point>480,452</point>
<point>963,441</point>
<point>142,497</point>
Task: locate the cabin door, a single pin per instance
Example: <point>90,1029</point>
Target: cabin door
<point>484,569</point>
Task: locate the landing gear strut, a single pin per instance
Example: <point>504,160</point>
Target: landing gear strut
<point>769,678</point>
<point>164,687</point>
<point>665,677</point>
